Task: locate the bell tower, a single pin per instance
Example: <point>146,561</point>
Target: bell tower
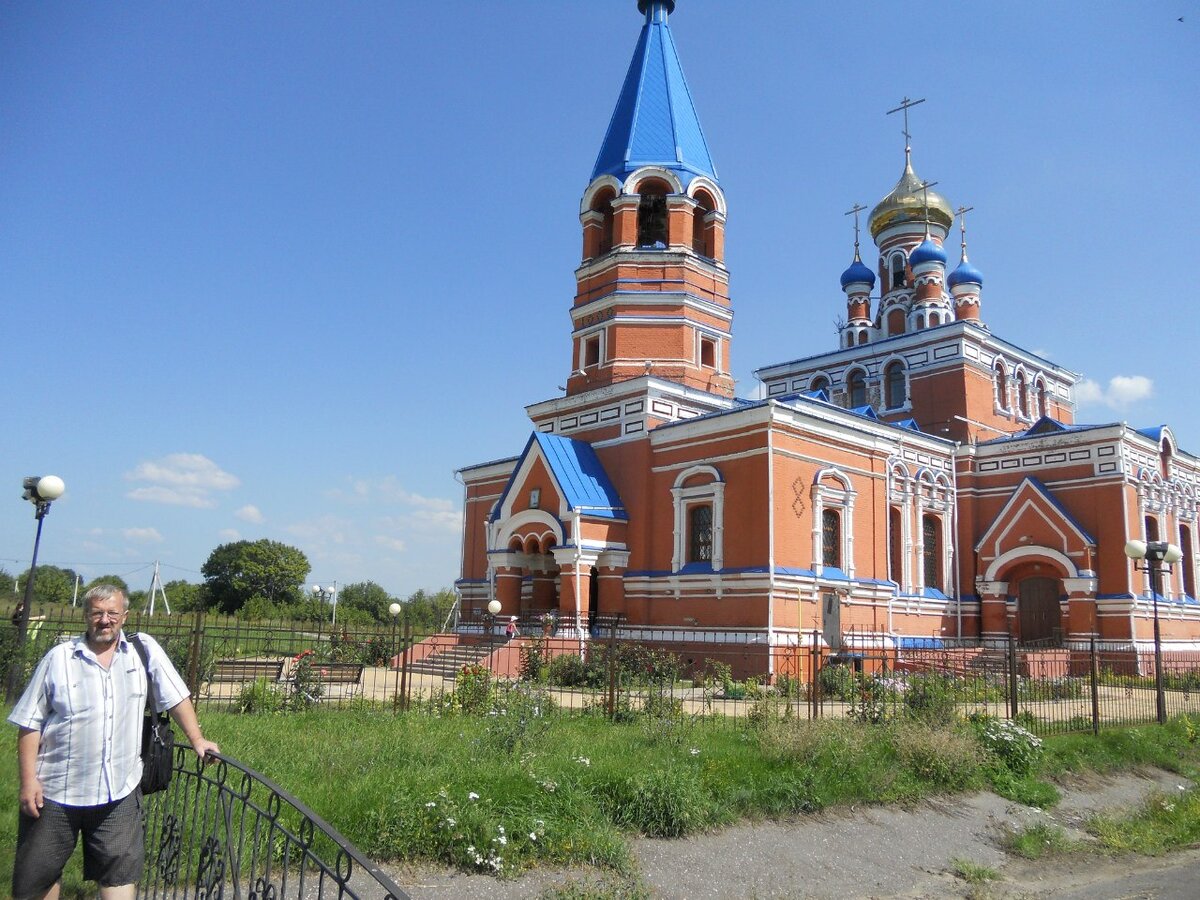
<point>652,290</point>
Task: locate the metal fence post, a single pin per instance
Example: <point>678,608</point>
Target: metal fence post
<point>193,660</point>
<point>611,699</point>
<point>814,674</point>
<point>1095,677</point>
<point>1012,678</point>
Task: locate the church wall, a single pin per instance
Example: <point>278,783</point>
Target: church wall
<point>482,488</point>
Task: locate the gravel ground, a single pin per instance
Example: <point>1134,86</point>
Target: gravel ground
<point>873,852</point>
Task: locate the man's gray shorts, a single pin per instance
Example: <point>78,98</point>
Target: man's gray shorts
<point>113,844</point>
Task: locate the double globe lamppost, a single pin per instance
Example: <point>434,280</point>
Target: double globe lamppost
<point>41,491</point>
<point>1153,555</point>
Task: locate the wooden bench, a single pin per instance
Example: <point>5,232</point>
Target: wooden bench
<point>230,671</point>
<point>342,677</point>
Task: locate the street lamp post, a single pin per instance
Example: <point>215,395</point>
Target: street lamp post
<point>493,608</point>
<point>1154,554</point>
<point>327,595</point>
<point>394,610</point>
<point>41,491</point>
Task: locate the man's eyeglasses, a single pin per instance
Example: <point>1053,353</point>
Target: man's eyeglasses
<point>103,616</point>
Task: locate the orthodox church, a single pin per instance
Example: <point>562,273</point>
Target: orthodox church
<point>922,481</point>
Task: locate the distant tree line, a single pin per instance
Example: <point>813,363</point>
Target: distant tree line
<point>261,579</point>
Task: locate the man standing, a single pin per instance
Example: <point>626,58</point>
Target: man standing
<point>79,753</point>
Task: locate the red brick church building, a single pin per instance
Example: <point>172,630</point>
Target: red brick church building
<point>923,480</point>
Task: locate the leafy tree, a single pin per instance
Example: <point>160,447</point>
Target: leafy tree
<point>8,587</point>
<point>185,596</point>
<point>51,584</point>
<point>368,597</point>
<point>265,571</point>
<point>427,612</point>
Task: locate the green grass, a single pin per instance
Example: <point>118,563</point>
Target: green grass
<point>1166,821</point>
<point>973,873</point>
<point>499,793</point>
<point>1039,840</point>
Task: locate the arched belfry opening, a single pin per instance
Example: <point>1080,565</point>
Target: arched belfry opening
<point>602,205</point>
<point>652,213</point>
<point>702,238</point>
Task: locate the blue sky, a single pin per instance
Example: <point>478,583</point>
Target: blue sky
<point>278,269</point>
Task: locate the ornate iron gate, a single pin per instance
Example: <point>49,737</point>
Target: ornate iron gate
<point>223,830</point>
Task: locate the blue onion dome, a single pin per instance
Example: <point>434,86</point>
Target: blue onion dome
<point>965,273</point>
<point>926,252</point>
<point>858,274</point>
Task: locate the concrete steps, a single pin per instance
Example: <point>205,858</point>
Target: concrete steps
<point>447,662</point>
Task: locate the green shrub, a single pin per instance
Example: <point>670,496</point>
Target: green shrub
<point>519,716</point>
<point>306,683</point>
<point>931,698</point>
<point>1020,750</point>
<point>949,760</point>
<point>260,696</point>
<point>534,666</point>
<point>473,689</point>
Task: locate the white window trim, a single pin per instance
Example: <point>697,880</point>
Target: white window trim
<point>713,492</point>
<point>825,496</point>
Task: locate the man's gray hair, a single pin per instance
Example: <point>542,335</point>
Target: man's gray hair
<point>104,592</point>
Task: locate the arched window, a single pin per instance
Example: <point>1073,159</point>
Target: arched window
<point>1151,529</point>
<point>1022,394</point>
<point>931,551</point>
<point>820,383</point>
<point>652,213</point>
<point>896,268</point>
<point>934,319</point>
<point>862,337</point>
<point>704,205</point>
<point>1188,563</point>
<point>920,321</point>
<point>895,322</point>
<point>1000,377</point>
<point>831,538</point>
<point>895,546</point>
<point>857,386</point>
<point>708,353</point>
<point>895,384</point>
<point>699,502</point>
<point>700,533</point>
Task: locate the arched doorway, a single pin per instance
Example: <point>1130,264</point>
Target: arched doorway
<point>1038,607</point>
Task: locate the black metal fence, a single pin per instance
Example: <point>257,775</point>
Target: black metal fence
<point>609,666</point>
<point>223,830</point>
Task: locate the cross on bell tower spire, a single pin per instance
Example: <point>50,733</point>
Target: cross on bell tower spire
<point>858,207</point>
<point>906,104</point>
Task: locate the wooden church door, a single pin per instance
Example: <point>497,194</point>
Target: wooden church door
<point>1041,617</point>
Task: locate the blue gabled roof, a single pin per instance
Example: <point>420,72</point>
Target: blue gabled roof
<point>580,476</point>
<point>1155,434</point>
<point>655,121</point>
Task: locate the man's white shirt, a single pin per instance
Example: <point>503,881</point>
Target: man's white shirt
<point>90,718</point>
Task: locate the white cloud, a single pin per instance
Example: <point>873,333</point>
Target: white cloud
<point>391,543</point>
<point>172,497</point>
<point>181,479</point>
<point>1122,392</point>
<point>229,534</point>
<point>251,514</point>
<point>142,535</point>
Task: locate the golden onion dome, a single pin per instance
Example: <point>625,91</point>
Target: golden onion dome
<point>906,203</point>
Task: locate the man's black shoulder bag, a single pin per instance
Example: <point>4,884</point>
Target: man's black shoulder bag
<point>158,740</point>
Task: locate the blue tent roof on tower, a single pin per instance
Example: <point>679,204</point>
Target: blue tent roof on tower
<point>655,121</point>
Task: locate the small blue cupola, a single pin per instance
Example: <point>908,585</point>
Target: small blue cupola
<point>655,121</point>
<point>927,252</point>
<point>858,273</point>
<point>964,273</point>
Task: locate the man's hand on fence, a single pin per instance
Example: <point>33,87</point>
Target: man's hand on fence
<point>204,747</point>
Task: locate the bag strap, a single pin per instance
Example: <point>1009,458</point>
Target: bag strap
<point>151,693</point>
